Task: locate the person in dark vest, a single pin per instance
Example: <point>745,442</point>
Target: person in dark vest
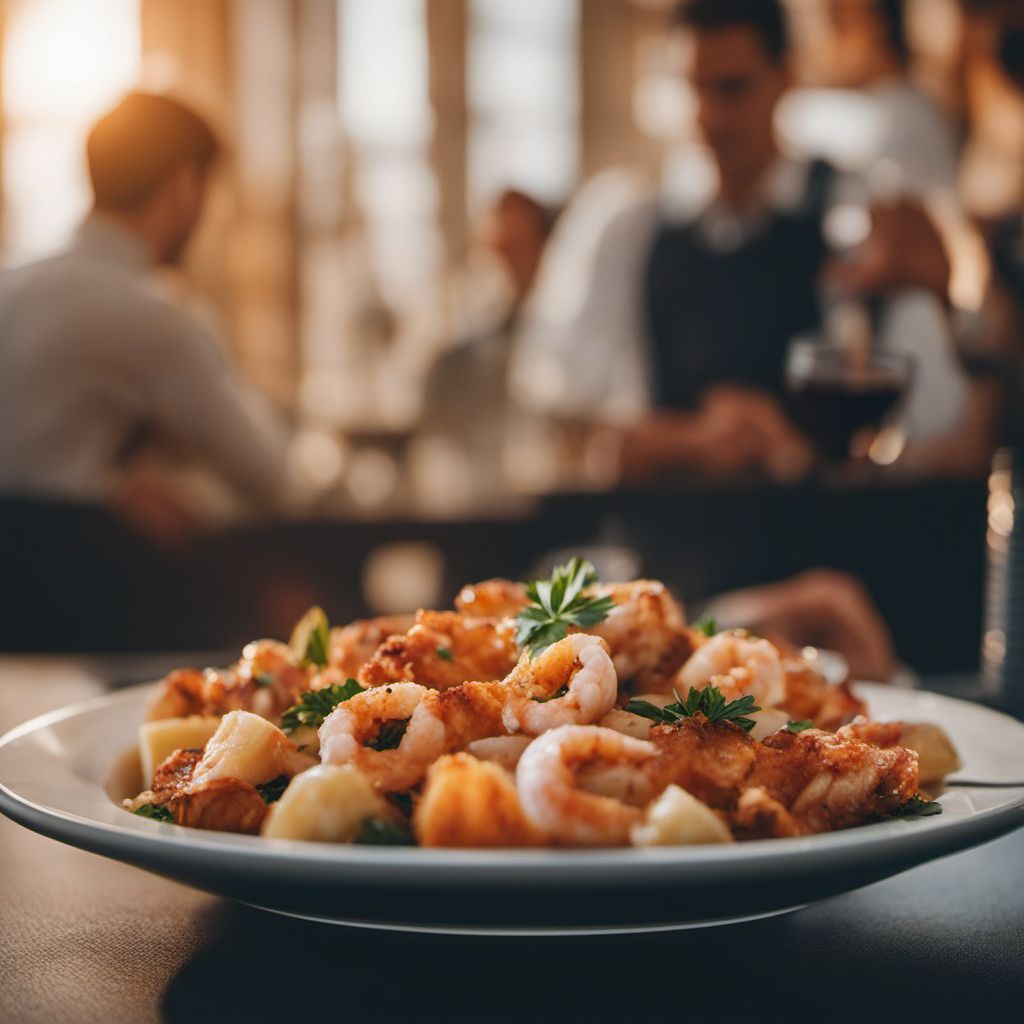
<point>695,298</point>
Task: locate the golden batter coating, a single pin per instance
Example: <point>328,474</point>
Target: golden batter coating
<point>470,803</point>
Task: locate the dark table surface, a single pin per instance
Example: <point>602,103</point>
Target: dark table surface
<point>86,939</point>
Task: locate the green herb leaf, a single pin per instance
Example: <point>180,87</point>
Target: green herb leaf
<point>444,653</point>
<point>384,832</point>
<point>263,679</point>
<point>918,807</point>
<point>271,791</point>
<point>709,702</point>
<point>708,625</point>
<point>311,638</point>
<point>389,736</point>
<point>315,705</point>
<point>560,692</point>
<point>800,726</point>
<point>558,603</point>
<point>158,812</point>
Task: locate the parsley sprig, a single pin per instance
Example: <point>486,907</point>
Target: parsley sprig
<point>273,790</point>
<point>919,807</point>
<point>800,726</point>
<point>158,812</point>
<point>708,626</point>
<point>558,603</point>
<point>384,832</point>
<point>315,705</point>
<point>709,702</point>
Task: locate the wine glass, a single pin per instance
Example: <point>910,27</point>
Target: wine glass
<point>837,392</point>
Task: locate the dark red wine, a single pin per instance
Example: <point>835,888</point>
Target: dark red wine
<point>833,411</point>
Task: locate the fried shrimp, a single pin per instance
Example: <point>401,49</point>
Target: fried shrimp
<point>738,664</point>
<point>554,802</point>
<point>358,733</point>
<point>645,632</point>
<point>572,683</point>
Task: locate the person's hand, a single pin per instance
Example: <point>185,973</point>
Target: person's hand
<point>821,608</point>
<point>903,250</point>
<point>147,504</point>
<point>735,429</point>
<point>778,447</point>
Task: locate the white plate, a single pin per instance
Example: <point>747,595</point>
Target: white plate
<point>61,775</point>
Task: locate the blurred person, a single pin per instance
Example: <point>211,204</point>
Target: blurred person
<point>869,51</point>
<point>1004,305</point>
<point>695,298</point>
<point>93,356</point>
<point>465,391</point>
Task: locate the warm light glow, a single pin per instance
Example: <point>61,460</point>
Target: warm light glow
<point>64,62</point>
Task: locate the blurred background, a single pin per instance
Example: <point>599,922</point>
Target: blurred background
<point>407,217</point>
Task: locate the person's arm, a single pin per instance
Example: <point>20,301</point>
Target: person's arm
<point>822,608</point>
<point>199,399</point>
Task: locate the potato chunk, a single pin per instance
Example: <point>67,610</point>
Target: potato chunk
<point>158,740</point>
<point>249,748</point>
<point>936,755</point>
<point>327,804</point>
<point>677,818</point>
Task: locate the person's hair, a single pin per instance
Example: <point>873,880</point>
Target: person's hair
<point>893,15</point>
<point>1011,53</point>
<point>765,17</point>
<point>133,148</point>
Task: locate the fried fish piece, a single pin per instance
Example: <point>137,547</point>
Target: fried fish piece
<point>223,805</point>
<point>442,650</point>
<point>492,599</point>
<point>266,680</point>
<point>808,695</point>
<point>471,803</point>
<point>822,781</point>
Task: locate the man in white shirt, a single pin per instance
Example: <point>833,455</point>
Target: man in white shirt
<point>91,353</point>
<point>695,298</point>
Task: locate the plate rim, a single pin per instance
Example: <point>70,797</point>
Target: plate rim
<point>257,855</point>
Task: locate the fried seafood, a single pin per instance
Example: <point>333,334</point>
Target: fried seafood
<point>646,633</point>
<point>224,805</point>
<point>936,755</point>
<point>384,734</point>
<point>351,646</point>
<point>506,723</point>
<point>738,664</point>
<point>552,798</point>
<point>823,781</point>
<point>266,680</point>
<point>443,649</point>
<point>572,683</point>
<point>808,695</point>
<point>471,803</point>
<point>492,599</point>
